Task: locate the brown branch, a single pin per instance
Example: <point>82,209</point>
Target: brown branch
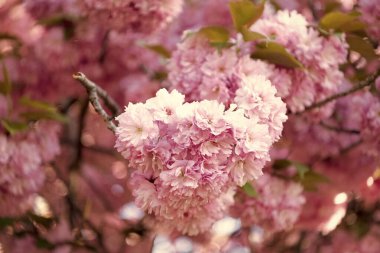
<point>313,11</point>
<point>103,52</point>
<point>350,147</point>
<point>94,92</point>
<point>75,210</point>
<point>339,129</point>
<point>78,138</point>
<point>64,106</point>
<point>354,89</point>
<point>96,149</point>
<point>109,102</point>
<point>35,234</point>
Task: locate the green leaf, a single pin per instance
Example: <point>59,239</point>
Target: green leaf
<point>341,22</point>
<point>6,84</point>
<point>220,45</point>
<point>159,49</point>
<point>160,76</point>
<point>67,22</point>
<point>332,5</point>
<point>311,179</point>
<point>39,115</point>
<point>38,110</point>
<point>215,34</point>
<point>37,104</point>
<point>361,227</point>
<point>14,127</point>
<point>250,35</point>
<point>5,222</point>
<point>280,164</point>
<point>42,243</point>
<point>302,169</point>
<point>245,13</point>
<point>361,45</point>
<point>275,53</point>
<point>249,190</point>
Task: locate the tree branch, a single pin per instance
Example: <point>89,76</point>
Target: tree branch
<point>354,89</point>
<point>97,149</point>
<point>339,129</point>
<point>94,92</point>
<point>78,138</point>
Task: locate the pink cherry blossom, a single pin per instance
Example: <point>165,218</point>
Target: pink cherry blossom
<point>136,16</point>
<point>188,157</point>
<point>320,57</point>
<point>277,206</point>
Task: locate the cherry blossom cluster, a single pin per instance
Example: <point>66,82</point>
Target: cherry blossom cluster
<point>370,14</point>
<point>276,207</point>
<point>42,9</point>
<point>200,151</point>
<point>22,160</point>
<point>320,56</point>
<point>188,155</point>
<point>89,48</point>
<point>137,16</point>
<point>202,72</point>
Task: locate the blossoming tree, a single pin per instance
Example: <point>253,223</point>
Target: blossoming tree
<point>246,126</point>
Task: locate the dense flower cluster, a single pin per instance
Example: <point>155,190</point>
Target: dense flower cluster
<point>138,16</point>
<point>188,155</point>
<point>370,11</point>
<point>193,171</point>
<point>42,9</point>
<point>201,72</point>
<point>320,56</point>
<point>21,163</point>
<point>276,207</point>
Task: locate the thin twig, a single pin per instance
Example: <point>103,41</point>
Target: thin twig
<point>314,12</point>
<point>33,232</point>
<point>78,138</point>
<point>94,92</point>
<point>109,102</point>
<point>350,147</point>
<point>339,129</point>
<point>358,87</point>
<point>103,52</point>
<point>75,210</point>
<point>93,148</point>
<point>65,105</point>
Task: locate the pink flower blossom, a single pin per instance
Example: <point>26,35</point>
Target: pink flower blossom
<point>277,206</point>
<point>370,14</point>
<point>136,125</point>
<point>320,57</point>
<point>42,9</point>
<point>137,16</point>
<point>185,157</point>
<point>258,99</point>
<point>21,163</point>
<point>228,78</point>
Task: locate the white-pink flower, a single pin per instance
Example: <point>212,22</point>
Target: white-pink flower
<point>277,206</point>
<point>138,16</point>
<point>186,157</point>
<point>320,56</point>
<point>136,125</point>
